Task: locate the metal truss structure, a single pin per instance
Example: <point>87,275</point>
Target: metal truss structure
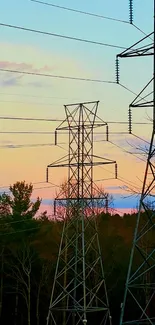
<point>79,294</point>
<point>138,306</point>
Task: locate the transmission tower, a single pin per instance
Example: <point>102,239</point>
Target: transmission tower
<point>138,306</point>
<point>79,293</point>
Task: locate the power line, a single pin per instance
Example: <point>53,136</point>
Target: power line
<point>123,122</point>
<point>35,183</point>
<point>57,76</point>
<point>29,119</point>
<point>44,187</point>
<point>128,89</point>
<point>37,96</point>
<point>89,14</point>
<point>80,11</point>
<point>132,92</point>
<point>32,228</point>
<point>61,120</point>
<point>35,228</point>
<point>126,151</point>
<point>140,30</point>
<point>52,133</point>
<point>53,97</point>
<point>119,211</point>
<point>20,231</point>
<point>136,136</point>
<point>29,103</point>
<point>18,146</point>
<point>28,132</point>
<point>61,36</point>
<point>17,221</point>
<point>122,179</point>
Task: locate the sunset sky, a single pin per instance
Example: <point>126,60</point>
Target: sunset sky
<point>25,154</point>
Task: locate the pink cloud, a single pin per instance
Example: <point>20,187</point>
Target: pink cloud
<point>113,211</point>
<point>24,66</point>
<point>11,79</point>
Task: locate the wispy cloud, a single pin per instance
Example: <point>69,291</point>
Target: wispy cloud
<point>35,84</point>
<point>47,202</point>
<point>128,202</point>
<point>119,202</point>
<point>115,187</point>
<point>12,79</point>
<point>24,66</point>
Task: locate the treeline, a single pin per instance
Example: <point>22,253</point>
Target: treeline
<point>28,254</point>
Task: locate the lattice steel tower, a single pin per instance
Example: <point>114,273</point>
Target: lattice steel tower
<point>138,306</point>
<point>79,293</point>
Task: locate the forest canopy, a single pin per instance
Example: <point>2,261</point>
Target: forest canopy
<point>28,255</point>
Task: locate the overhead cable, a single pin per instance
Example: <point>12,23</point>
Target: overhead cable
<point>126,151</point>
<point>79,11</point>
<point>61,120</point>
<point>53,133</point>
<point>45,3</point>
<point>121,178</point>
<point>61,36</point>
<point>18,146</point>
<point>56,76</point>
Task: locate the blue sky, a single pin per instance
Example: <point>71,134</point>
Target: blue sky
<point>45,97</point>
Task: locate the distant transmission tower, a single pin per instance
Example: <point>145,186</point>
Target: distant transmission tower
<point>79,294</point>
<point>138,306</point>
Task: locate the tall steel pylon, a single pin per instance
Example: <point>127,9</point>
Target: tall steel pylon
<point>79,293</point>
<point>138,306</point>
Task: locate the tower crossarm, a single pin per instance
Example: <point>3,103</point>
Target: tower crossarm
<point>139,49</point>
